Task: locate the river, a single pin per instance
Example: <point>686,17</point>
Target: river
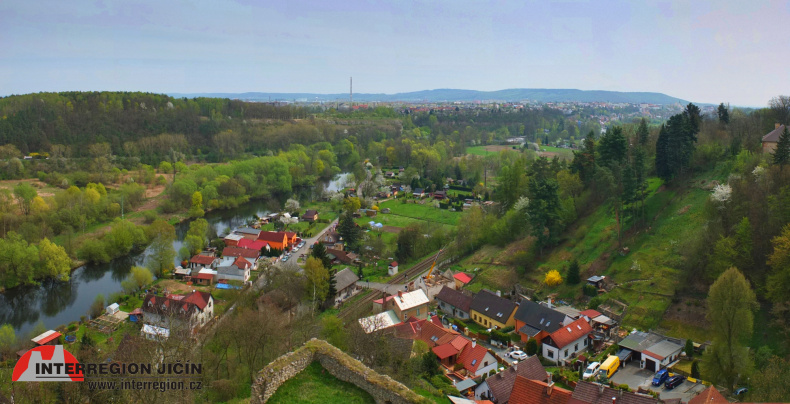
<point>55,303</point>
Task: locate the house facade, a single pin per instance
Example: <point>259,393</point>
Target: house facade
<point>565,343</point>
<point>454,302</point>
<point>310,216</point>
<point>276,239</point>
<point>490,310</point>
<point>410,304</point>
<point>498,387</point>
<point>173,311</point>
<point>533,320</point>
<point>772,138</point>
<point>249,255</point>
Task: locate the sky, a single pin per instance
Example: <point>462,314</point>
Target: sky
<point>735,52</point>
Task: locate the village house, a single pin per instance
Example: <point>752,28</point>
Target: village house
<point>498,387</point>
<point>257,245</point>
<point>410,304</point>
<point>311,215</point>
<point>533,320</point>
<point>175,311</point>
<point>564,343</point>
<point>440,195</point>
<point>331,239</point>
<point>392,269</point>
<point>238,271</point>
<point>380,321</point>
<point>772,138</point>
<point>490,310</point>
<point>454,302</point>
<point>418,193</point>
<point>204,277</point>
<point>341,257</point>
<point>232,239</point>
<point>203,260</point>
<point>528,391</point>
<point>291,238</point>
<point>275,239</point>
<point>250,255</point>
<point>248,233</point>
<point>345,284</point>
<point>476,359</point>
<point>461,280</point>
<point>653,351</point>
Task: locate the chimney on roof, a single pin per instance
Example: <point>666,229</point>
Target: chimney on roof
<point>474,342</point>
<point>400,294</point>
<point>777,125</point>
<point>498,293</point>
<point>549,386</point>
<point>515,366</point>
<point>600,388</point>
<point>614,399</point>
<point>549,302</point>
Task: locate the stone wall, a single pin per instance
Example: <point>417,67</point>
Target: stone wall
<point>382,388</point>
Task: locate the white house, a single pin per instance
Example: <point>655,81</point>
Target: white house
<point>392,269</point>
<point>179,311</point>
<point>661,354</point>
<point>239,270</point>
<point>564,343</point>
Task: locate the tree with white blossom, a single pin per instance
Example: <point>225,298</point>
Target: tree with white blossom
<point>721,193</point>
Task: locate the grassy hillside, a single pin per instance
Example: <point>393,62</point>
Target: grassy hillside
<point>647,278</point>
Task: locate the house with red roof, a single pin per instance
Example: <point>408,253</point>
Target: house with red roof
<point>709,396</point>
<point>229,255</point>
<point>203,260</point>
<point>257,245</point>
<point>238,271</point>
<point>392,268</point>
<point>461,279</point>
<point>528,391</point>
<point>475,358</point>
<point>174,311</point>
<point>499,386</point>
<point>275,239</point>
<point>567,341</point>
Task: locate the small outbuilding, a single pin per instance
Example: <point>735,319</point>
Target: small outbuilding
<point>392,269</point>
<point>113,308</point>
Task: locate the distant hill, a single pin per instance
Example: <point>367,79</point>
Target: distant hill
<point>450,95</point>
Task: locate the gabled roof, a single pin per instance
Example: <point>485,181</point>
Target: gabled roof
<point>344,279</point>
<point>538,316</point>
<point>445,351</point>
<point>526,391</point>
<point>501,384</point>
<point>592,393</point>
<point>463,277</point>
<point>590,313</point>
<point>202,259</point>
<point>489,304</point>
<point>199,299</point>
<point>409,300</point>
<point>252,244</point>
<point>568,311</point>
<point>340,255</point>
<point>290,234</point>
<point>662,349</point>
<point>230,270</point>
<point>709,396</point>
<point>571,332</point>
<point>773,136</point>
<point>472,357</point>
<point>242,263</point>
<point>203,275</point>
<point>234,237</point>
<point>46,337</point>
<point>182,305</point>
<point>379,321</point>
<point>310,213</point>
<point>425,331</point>
<point>240,252</point>
<point>272,236</point>
<point>247,230</point>
<point>454,298</point>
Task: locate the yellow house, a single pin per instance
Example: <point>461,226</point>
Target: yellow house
<point>490,310</point>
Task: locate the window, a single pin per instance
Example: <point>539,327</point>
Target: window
<point>585,342</point>
<point>566,353</point>
<point>474,361</point>
<point>418,312</point>
<point>576,347</point>
<point>550,353</point>
<point>485,363</point>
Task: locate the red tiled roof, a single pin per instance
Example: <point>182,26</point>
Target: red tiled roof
<point>709,396</point>
<point>436,320</point>
<point>202,259</point>
<point>290,234</point>
<point>591,393</point>
<point>459,342</point>
<point>252,244</point>
<point>472,354</point>
<point>242,263</point>
<point>590,313</point>
<point>445,351</point>
<point>571,332</point>
<point>501,384</point>
<point>274,236</point>
<point>381,301</point>
<point>204,276</point>
<point>240,252</point>
<point>463,277</point>
<point>526,391</point>
<point>46,337</point>
<point>394,263</point>
<point>199,299</point>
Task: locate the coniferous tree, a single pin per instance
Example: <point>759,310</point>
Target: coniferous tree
<point>319,251</point>
<point>723,113</point>
<point>782,153</point>
<point>662,155</point>
<point>642,134</point>
<point>348,230</point>
<point>573,277</point>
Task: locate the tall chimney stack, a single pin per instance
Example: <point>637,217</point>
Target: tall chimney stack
<point>474,342</point>
<point>549,386</point>
<point>777,125</point>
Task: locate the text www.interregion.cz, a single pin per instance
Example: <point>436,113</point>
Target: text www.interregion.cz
<point>161,386</point>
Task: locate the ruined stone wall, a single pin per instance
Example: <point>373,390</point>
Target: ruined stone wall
<point>382,388</point>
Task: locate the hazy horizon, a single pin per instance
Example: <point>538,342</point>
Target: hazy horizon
<point>710,52</point>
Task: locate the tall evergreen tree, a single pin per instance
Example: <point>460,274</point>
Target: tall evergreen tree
<point>612,148</point>
<point>584,159</point>
<point>319,251</point>
<point>782,153</point>
<point>573,277</point>
<point>642,134</point>
<point>543,210</point>
<point>724,113</point>
<point>662,155</point>
<point>348,230</point>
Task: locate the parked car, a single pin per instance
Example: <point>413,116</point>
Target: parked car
<point>674,381</point>
<point>301,244</point>
<point>285,259</point>
<point>591,370</point>
<point>660,377</point>
<point>520,355</point>
<point>740,390</point>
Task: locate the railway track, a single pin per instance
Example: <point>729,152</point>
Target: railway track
<point>402,277</point>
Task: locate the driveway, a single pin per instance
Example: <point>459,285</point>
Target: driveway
<point>635,378</point>
<point>303,252</point>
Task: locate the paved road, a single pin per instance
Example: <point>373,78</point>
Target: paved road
<point>310,241</point>
<point>635,377</point>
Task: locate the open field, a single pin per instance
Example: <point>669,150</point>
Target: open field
<point>549,152</point>
<point>488,150</point>
<point>424,211</point>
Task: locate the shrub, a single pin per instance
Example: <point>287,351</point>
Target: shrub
<point>553,278</point>
<point>150,216</point>
<point>595,302</point>
<point>689,348</point>
<point>695,369</point>
<point>589,290</point>
<point>532,347</point>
